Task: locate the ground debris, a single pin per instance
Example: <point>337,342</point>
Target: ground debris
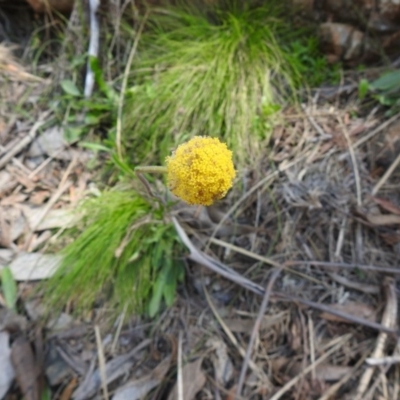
<point>137,389</point>
<point>27,370</point>
<point>114,369</point>
<point>7,370</point>
<point>193,380</point>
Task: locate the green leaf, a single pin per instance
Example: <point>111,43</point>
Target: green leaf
<point>70,88</point>
<point>95,147</point>
<point>155,301</point>
<point>9,287</point>
<point>73,134</point>
<point>390,81</point>
<point>98,76</point>
<point>363,88</point>
<point>122,165</point>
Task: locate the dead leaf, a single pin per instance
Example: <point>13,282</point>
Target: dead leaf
<point>38,197</point>
<point>223,367</point>
<point>138,388</point>
<point>361,286</point>
<point>383,219</point>
<point>331,373</point>
<point>34,266</point>
<point>5,232</point>
<point>26,369</point>
<point>360,310</point>
<point>38,240</point>
<point>7,371</point>
<point>324,372</point>
<point>391,238</point>
<point>12,322</point>
<point>193,381</point>
<point>13,199</point>
<point>240,325</point>
<point>115,368</point>
<point>7,183</point>
<point>21,178</point>
<point>12,225</point>
<point>387,205</point>
<point>246,325</point>
<point>67,392</point>
<point>6,256</point>
<point>55,218</point>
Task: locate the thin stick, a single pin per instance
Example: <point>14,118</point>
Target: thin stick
<point>388,320</point>
<point>125,83</point>
<point>102,362</point>
<point>389,360</point>
<point>25,141</point>
<point>335,265</point>
<point>337,343</point>
<point>329,394</point>
<point>223,270</point>
<point>93,46</point>
<point>62,187</point>
<point>230,335</point>
<point>386,176</point>
<point>312,345</point>
<point>263,259</point>
<point>380,128</point>
<point>119,329</point>
<point>44,163</point>
<point>245,196</point>
<point>314,123</point>
<point>151,169</point>
<point>353,161</point>
<point>255,330</point>
<point>180,368</point>
<point>146,184</point>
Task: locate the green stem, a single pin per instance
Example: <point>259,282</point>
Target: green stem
<point>151,169</point>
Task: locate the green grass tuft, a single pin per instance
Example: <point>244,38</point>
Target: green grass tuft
<point>119,257</point>
<point>202,72</point>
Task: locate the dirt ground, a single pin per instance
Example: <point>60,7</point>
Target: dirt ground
<point>291,287</point>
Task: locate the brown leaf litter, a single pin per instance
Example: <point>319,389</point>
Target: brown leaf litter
<point>321,208</point>
<point>312,339</point>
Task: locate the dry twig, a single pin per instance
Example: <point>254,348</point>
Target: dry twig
<point>386,176</point>
<point>336,344</point>
<point>26,140</point>
<point>232,275</point>
<point>128,66</point>
<point>389,321</point>
<point>102,362</point>
<point>256,328</point>
<point>180,368</point>
<point>93,45</point>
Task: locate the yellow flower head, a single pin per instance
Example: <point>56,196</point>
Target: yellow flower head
<point>200,171</point>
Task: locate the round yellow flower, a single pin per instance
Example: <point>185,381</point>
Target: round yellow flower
<point>200,171</point>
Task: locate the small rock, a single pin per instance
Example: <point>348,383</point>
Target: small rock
<point>51,143</point>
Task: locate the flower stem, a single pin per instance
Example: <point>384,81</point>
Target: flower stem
<point>151,169</point>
